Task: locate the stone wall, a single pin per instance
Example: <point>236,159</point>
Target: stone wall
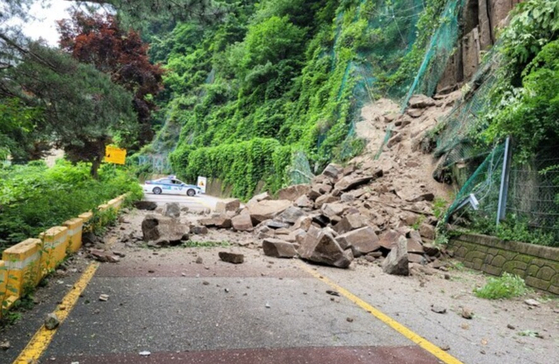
<point>537,265</point>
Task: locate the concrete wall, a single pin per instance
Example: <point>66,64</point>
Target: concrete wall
<point>537,265</point>
<point>24,265</point>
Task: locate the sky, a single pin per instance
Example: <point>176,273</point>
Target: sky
<point>45,26</point>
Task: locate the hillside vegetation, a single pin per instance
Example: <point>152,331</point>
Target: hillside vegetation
<point>280,80</point>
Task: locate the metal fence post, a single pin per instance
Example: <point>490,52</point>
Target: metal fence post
<point>503,191</point>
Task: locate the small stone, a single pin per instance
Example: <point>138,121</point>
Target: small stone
<point>145,353</point>
<point>332,293</point>
<point>104,297</point>
<point>267,305</point>
<point>465,326</point>
<point>206,283</point>
<point>509,326</point>
<point>52,321</point>
<point>231,257</point>
<point>151,271</point>
<point>199,260</point>
<point>467,313</point>
<point>5,345</point>
<point>447,276</point>
<point>438,309</point>
<point>349,319</point>
<point>531,302</point>
<point>445,347</point>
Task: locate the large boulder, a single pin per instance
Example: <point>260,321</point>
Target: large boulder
<point>361,241</point>
<point>171,209</point>
<point>291,193</point>
<point>304,202</point>
<point>278,248</point>
<point>156,228</point>
<point>328,198</point>
<point>242,222</point>
<point>397,262</point>
<point>333,171</point>
<point>333,209</point>
<point>260,197</point>
<point>230,204</point>
<point>389,239</point>
<point>267,209</point>
<point>320,247</point>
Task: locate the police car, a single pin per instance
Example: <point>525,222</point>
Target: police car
<point>171,185</point>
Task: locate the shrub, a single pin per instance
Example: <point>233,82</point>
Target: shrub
<point>507,286</point>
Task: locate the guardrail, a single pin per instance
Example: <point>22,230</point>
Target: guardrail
<point>24,265</point>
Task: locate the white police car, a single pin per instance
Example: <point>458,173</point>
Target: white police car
<point>171,185</point>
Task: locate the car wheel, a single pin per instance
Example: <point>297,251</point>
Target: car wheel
<point>191,192</point>
<point>157,190</point>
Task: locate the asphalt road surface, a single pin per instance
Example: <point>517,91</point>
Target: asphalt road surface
<point>199,202</point>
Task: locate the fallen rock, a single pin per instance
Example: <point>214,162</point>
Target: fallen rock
<point>396,262</point>
<point>145,205</point>
<point>350,222</point>
<point>532,302</point>
<point>332,171</point>
<point>350,182</point>
<point>361,241</point>
<point>291,215</point>
<point>230,204</point>
<point>389,239</point>
<point>233,258</point>
<point>267,209</point>
<point>333,209</point>
<point>278,248</point>
<point>320,247</point>
<point>327,198</point>
<point>159,227</point>
<point>52,321</point>
<point>304,202</point>
<point>292,193</point>
<point>438,309</point>
<point>466,313</point>
<point>220,221</point>
<point>260,197</point>
<point>199,230</point>
<point>103,256</point>
<point>242,222</point>
<point>420,102</point>
<point>171,209</point>
<point>427,231</point>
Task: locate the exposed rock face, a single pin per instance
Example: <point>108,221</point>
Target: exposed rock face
<point>397,260</point>
<point>278,248</point>
<point>320,247</point>
<point>171,209</point>
<point>267,209</point>
<point>158,227</point>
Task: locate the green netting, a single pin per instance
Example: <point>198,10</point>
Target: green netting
<point>484,186</point>
<point>390,34</point>
<point>439,51</point>
<point>300,169</point>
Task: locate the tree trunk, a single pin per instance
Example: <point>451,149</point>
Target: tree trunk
<point>95,164</point>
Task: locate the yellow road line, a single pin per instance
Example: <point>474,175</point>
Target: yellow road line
<point>417,339</point>
<point>42,338</point>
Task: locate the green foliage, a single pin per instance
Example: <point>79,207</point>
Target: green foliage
<point>205,244</point>
<point>34,197</point>
<point>525,101</point>
<point>507,286</point>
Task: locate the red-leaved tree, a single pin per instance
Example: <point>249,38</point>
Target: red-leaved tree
<point>98,40</point>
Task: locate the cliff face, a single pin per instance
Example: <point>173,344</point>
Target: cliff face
<point>481,20</point>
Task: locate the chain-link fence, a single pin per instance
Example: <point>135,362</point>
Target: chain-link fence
<point>533,197</point>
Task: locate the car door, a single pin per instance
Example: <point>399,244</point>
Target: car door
<point>166,185</point>
<point>177,186</point>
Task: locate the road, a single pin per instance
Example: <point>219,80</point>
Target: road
<point>196,203</point>
<point>185,305</point>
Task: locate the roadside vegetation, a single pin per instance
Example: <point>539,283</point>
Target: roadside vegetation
<point>34,197</point>
<point>506,286</point>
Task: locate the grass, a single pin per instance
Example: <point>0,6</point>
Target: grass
<point>205,244</point>
<point>507,286</point>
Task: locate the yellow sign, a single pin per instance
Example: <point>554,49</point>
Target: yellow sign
<point>115,155</point>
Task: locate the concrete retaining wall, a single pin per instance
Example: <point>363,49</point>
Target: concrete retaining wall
<point>24,265</point>
<point>537,265</point>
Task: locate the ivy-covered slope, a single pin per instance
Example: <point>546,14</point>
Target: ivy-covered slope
<point>272,92</point>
